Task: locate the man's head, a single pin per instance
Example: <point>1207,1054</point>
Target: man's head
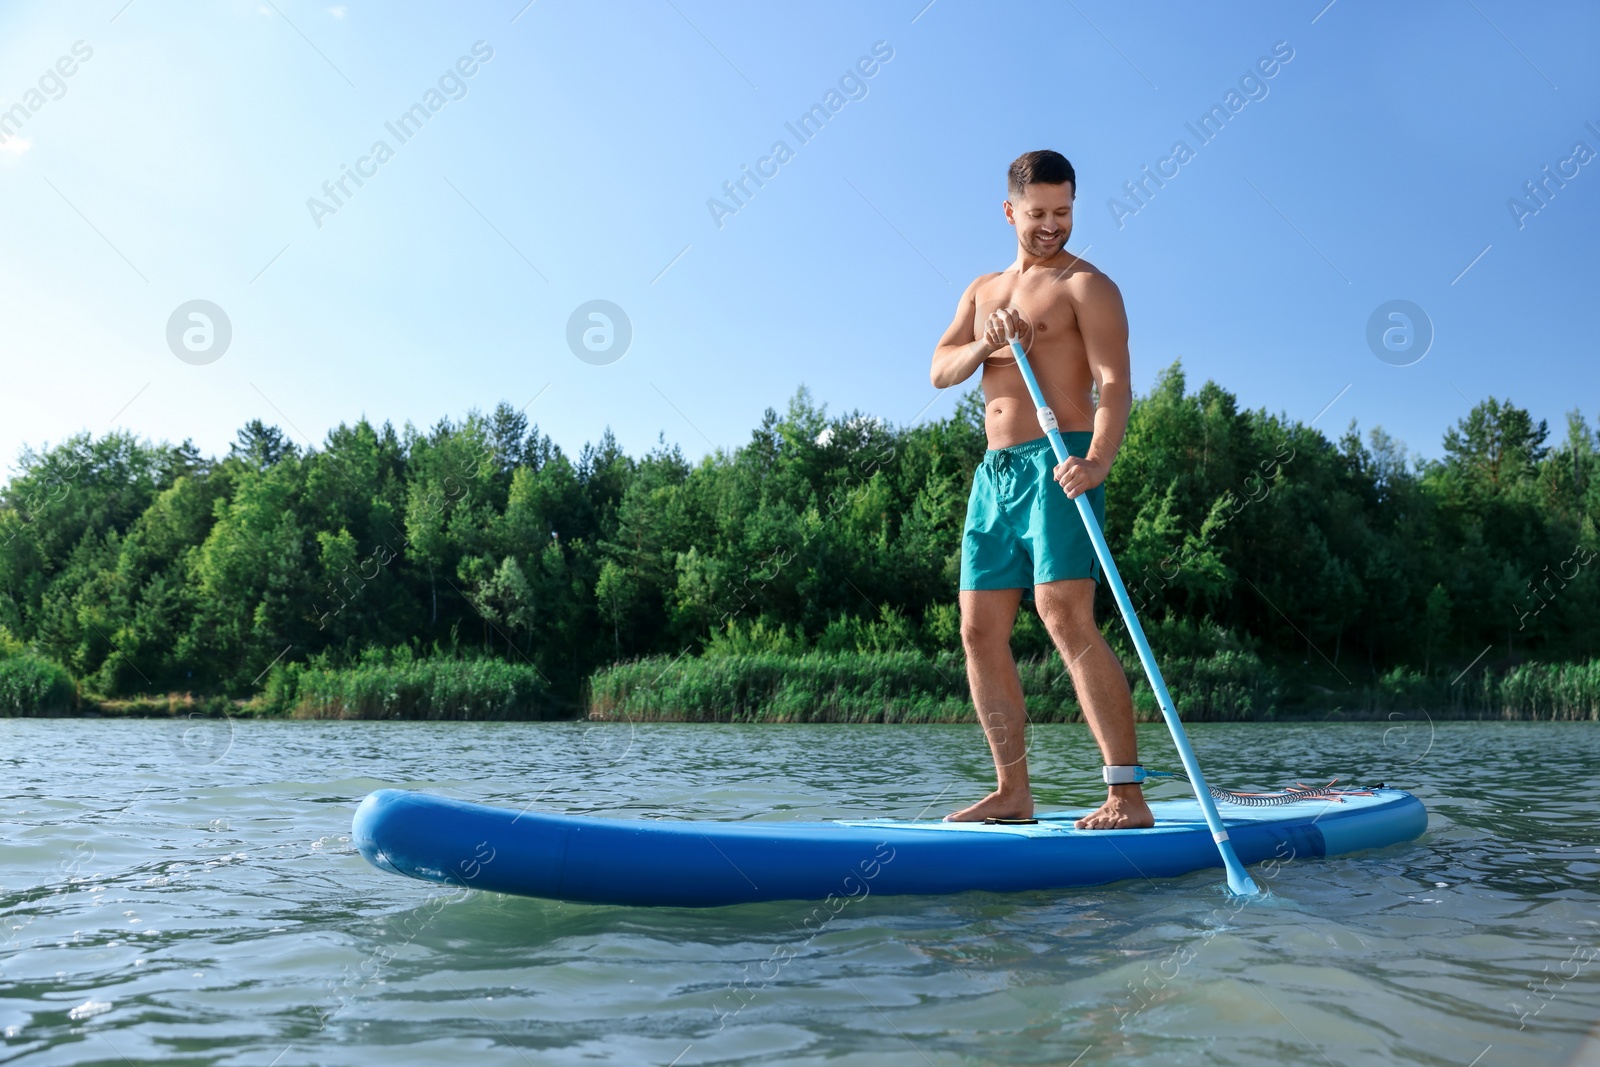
<point>1040,188</point>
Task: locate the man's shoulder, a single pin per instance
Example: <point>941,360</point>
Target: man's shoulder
<point>1086,281</point>
<point>1080,271</point>
<point>984,279</point>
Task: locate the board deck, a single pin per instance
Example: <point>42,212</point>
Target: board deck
<point>706,863</point>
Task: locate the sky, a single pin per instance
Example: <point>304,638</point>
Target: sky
<point>573,152</point>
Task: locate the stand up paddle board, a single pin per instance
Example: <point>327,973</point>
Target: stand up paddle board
<point>704,864</point>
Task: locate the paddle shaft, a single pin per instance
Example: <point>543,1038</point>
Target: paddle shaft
<point>1238,880</point>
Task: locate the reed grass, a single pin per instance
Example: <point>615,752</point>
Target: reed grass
<point>33,685</point>
<point>846,687</point>
<point>1231,685</point>
<point>893,687</point>
<point>415,689</point>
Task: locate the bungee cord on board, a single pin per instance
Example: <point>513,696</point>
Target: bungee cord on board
<point>1267,800</point>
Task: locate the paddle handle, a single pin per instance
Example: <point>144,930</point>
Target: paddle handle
<point>1238,880</point>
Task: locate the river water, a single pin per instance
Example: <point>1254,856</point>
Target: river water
<point>186,892</point>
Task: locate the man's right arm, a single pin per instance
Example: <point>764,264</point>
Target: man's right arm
<point>958,353</point>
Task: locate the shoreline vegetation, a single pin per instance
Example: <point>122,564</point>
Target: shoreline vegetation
<point>909,688</point>
<point>882,687</point>
<point>475,571</point>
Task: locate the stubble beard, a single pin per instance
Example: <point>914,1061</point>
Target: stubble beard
<point>1044,250</point>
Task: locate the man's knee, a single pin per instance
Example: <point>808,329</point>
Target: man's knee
<point>1069,618</point>
<point>981,632</point>
<point>986,623</point>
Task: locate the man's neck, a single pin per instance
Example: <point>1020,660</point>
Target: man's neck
<point>1025,262</point>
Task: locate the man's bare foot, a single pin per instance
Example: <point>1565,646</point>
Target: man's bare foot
<point>996,805</point>
<point>1121,811</point>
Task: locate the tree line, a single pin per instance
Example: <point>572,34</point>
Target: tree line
<point>149,568</point>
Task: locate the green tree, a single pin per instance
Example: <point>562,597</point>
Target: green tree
<point>1497,440</point>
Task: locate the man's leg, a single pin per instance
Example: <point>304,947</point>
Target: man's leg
<point>1067,610</point>
<point>987,616</point>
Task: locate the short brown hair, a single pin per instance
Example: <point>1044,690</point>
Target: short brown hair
<point>1044,167</point>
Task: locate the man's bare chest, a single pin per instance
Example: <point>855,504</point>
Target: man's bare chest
<point>1047,308</point>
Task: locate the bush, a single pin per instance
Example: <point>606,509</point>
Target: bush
<point>32,685</point>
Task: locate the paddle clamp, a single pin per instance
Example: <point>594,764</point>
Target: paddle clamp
<point>1124,775</point>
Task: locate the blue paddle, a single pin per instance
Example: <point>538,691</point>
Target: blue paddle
<point>1238,881</point>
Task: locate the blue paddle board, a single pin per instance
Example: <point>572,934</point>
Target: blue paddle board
<point>703,863</point>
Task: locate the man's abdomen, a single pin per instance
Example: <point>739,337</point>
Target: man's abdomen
<point>1009,420</point>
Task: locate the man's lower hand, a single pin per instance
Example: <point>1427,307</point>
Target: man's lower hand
<point>1078,474</point>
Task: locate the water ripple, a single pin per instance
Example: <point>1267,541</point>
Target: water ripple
<point>163,910</point>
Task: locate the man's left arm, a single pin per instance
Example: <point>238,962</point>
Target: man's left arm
<point>1103,322</point>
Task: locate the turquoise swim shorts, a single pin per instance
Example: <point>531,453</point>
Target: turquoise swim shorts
<point>1022,528</point>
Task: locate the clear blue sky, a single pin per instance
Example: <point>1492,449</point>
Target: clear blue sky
<point>176,162</point>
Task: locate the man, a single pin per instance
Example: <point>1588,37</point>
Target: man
<point>1023,533</point>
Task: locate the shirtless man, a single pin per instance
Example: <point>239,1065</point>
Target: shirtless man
<point>1022,532</point>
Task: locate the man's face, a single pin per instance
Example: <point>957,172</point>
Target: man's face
<point>1043,217</point>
